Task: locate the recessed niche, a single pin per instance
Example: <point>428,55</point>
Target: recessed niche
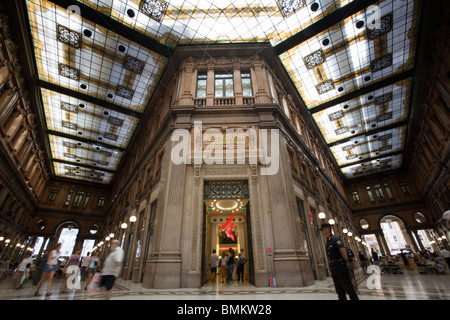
<point>364,224</point>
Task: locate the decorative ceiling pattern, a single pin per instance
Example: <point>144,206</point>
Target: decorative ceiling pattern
<point>350,55</point>
<point>374,110</point>
<point>99,61</point>
<point>211,21</point>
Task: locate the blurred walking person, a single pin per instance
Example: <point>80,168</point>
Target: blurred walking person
<point>17,278</point>
<point>92,267</point>
<point>111,268</point>
<point>49,270</point>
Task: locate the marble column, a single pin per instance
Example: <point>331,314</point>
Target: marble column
<point>291,264</point>
<point>163,268</point>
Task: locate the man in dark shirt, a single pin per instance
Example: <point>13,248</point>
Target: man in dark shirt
<point>338,258</point>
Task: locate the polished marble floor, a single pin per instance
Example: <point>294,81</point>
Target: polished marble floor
<point>408,286</point>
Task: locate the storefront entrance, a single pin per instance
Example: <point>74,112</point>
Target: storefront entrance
<point>226,224</point>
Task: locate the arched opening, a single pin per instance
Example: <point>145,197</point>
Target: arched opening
<point>395,234</point>
<point>68,232</point>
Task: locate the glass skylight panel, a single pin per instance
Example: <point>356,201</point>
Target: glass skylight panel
<point>79,118</point>
<point>351,55</point>
<point>369,146</point>
<point>98,63</point>
<point>373,166</point>
<point>84,154</point>
<point>206,21</point>
<point>370,111</point>
<point>79,173</point>
<point>80,55</point>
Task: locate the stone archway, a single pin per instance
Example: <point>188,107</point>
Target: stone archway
<point>69,230</point>
<point>395,235</point>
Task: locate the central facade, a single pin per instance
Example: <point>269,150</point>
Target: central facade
<point>229,166</point>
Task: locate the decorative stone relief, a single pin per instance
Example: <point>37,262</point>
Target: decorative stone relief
<point>226,171</point>
<point>197,212</point>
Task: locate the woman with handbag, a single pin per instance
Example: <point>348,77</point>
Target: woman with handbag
<point>92,267</point>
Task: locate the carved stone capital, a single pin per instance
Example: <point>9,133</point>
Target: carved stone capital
<point>135,204</point>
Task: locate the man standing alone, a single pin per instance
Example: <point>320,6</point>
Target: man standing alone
<point>213,264</point>
<point>111,268</point>
<point>338,259</point>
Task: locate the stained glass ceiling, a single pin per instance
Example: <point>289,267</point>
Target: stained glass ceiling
<point>98,63</point>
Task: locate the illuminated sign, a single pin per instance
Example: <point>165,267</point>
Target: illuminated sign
<point>227,227</point>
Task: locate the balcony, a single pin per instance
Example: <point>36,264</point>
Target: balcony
<point>223,101</point>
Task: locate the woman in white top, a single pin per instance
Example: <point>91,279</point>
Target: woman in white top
<point>224,266</point>
<point>50,269</point>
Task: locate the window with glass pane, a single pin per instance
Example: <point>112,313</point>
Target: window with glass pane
<point>201,85</point>
<point>246,84</point>
<point>370,194</point>
<point>388,190</point>
<point>223,83</point>
<point>292,161</point>
<point>355,197</point>
<point>101,202</point>
<point>405,188</point>
<point>69,196</point>
<point>77,199</point>
<point>86,199</point>
<point>378,191</point>
<point>52,195</point>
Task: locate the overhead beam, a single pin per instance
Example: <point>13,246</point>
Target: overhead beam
<point>323,24</point>
<point>372,158</point>
<point>86,166</point>
<point>370,88</point>
<point>370,132</point>
<point>85,140</point>
<point>87,98</point>
<point>121,29</point>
